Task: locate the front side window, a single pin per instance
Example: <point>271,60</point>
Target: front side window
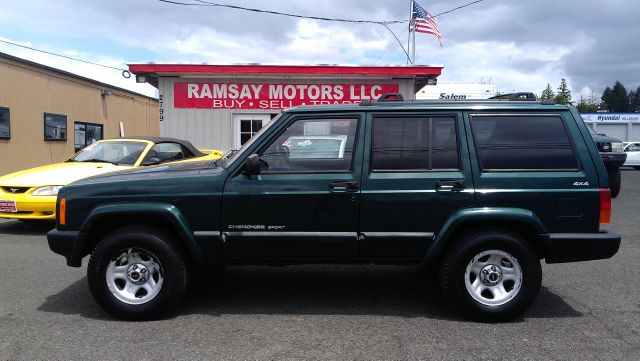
<point>5,126</point>
<point>634,147</point>
<point>523,142</point>
<point>85,134</point>
<point>312,145</point>
<point>164,152</point>
<point>414,144</point>
<point>55,126</point>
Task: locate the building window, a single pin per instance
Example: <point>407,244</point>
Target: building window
<point>414,144</point>
<point>85,134</point>
<point>55,126</point>
<point>523,142</point>
<point>5,126</point>
<point>249,127</point>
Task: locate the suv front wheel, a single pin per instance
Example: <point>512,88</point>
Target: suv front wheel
<point>137,273</point>
<point>491,275</point>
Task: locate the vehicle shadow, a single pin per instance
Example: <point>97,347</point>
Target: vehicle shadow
<point>18,228</point>
<point>310,290</point>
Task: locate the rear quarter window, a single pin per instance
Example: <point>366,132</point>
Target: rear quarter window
<point>523,142</point>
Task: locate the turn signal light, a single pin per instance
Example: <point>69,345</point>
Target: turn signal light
<point>62,212</point>
<point>605,205</point>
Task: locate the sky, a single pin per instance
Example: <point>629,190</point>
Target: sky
<point>518,45</point>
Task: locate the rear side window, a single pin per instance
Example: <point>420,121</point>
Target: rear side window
<point>523,142</point>
<point>414,144</point>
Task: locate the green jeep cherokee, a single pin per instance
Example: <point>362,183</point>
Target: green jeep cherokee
<point>479,190</point>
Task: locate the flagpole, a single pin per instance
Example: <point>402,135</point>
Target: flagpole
<point>409,61</point>
<point>413,39</point>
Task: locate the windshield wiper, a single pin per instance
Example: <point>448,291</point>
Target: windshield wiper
<point>97,160</point>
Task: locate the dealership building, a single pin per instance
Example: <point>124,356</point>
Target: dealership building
<point>47,114</point>
<point>222,106</point>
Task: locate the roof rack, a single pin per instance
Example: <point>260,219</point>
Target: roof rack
<point>390,97</point>
<point>514,97</point>
<point>520,96</point>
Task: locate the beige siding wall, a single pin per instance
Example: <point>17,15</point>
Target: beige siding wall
<point>214,128</point>
<point>30,91</point>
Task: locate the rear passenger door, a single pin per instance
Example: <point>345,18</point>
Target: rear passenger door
<point>416,173</point>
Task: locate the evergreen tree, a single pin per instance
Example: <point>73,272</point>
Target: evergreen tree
<point>547,93</point>
<point>619,99</point>
<point>564,94</point>
<point>634,99</point>
<point>606,98</point>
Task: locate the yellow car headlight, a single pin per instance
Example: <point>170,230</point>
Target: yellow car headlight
<point>47,191</point>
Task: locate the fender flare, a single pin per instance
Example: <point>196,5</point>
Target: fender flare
<point>167,212</point>
<point>483,215</point>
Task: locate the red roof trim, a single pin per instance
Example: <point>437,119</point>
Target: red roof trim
<point>285,69</point>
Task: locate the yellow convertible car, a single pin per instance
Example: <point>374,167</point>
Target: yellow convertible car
<point>31,194</point>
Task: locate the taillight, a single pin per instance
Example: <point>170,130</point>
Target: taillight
<point>62,212</point>
<point>605,205</point>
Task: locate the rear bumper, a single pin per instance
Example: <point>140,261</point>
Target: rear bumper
<point>574,247</point>
<point>66,243</point>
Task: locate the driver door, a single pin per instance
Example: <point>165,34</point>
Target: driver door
<point>304,203</point>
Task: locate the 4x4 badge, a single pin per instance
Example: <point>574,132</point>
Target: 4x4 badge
<point>578,184</point>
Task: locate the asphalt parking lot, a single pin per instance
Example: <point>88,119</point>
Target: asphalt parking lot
<point>585,311</point>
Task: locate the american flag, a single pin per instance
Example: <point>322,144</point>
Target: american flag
<point>423,22</point>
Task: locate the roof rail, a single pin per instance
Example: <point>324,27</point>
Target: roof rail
<point>520,96</point>
<point>391,97</point>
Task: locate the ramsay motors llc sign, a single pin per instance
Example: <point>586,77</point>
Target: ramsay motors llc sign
<point>273,96</point>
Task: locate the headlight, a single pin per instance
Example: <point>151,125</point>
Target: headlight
<point>616,147</point>
<point>46,191</point>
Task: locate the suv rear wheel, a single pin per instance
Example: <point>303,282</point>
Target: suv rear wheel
<point>137,273</point>
<point>490,275</point>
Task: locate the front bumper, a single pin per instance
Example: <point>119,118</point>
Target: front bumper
<point>30,207</point>
<point>613,160</point>
<point>67,244</point>
<point>575,247</point>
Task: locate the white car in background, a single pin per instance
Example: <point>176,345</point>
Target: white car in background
<point>633,154</point>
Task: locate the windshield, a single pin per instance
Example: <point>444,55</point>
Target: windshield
<point>120,153</point>
<point>234,155</point>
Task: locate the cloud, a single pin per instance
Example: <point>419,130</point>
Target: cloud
<point>521,45</point>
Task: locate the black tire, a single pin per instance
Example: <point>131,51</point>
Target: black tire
<point>615,181</point>
<point>465,248</point>
<point>155,245</point>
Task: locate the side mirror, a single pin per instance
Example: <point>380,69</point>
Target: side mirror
<point>252,165</point>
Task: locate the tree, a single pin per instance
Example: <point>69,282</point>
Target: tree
<point>606,98</point>
<point>634,100</point>
<point>587,105</point>
<point>617,98</point>
<point>564,94</point>
<point>547,93</point>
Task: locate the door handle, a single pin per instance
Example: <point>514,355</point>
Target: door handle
<point>340,186</point>
<point>449,184</point>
